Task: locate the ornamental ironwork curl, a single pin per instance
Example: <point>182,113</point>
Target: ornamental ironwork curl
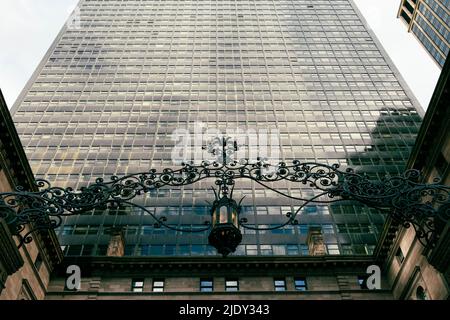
<point>424,206</point>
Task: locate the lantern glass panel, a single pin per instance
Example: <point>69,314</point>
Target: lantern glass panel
<point>223,214</point>
<point>234,216</point>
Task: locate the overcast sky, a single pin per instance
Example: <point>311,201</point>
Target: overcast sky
<point>28,27</point>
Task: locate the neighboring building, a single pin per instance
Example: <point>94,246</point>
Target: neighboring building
<point>429,21</point>
<point>24,272</point>
<point>413,271</point>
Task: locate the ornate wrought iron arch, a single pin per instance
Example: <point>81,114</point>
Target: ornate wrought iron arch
<point>404,198</point>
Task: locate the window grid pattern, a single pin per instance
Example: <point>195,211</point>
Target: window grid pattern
<point>111,93</point>
<point>429,21</point>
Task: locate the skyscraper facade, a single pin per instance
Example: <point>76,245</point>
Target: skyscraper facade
<point>122,76</point>
<point>429,21</point>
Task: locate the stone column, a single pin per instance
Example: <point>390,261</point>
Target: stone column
<point>315,242</point>
<point>116,245</point>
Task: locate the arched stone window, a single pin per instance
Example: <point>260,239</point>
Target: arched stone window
<point>421,294</point>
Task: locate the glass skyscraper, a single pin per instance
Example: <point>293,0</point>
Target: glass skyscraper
<point>125,74</point>
<point>429,21</point>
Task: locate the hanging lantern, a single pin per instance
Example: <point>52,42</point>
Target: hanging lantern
<point>225,235</point>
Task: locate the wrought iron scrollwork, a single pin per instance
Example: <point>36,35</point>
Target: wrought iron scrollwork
<point>423,206</point>
<point>426,207</point>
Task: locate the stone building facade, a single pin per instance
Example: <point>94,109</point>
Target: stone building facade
<point>413,271</point>
<point>237,278</point>
<point>24,272</point>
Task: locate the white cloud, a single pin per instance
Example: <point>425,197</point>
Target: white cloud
<point>28,27</point>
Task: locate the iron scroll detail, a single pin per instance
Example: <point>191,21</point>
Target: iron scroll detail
<point>423,206</point>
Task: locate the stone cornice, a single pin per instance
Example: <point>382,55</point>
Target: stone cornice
<point>179,266</point>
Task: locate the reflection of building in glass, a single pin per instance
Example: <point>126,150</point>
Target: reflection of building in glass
<point>429,21</point>
<point>108,95</point>
<point>391,142</point>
